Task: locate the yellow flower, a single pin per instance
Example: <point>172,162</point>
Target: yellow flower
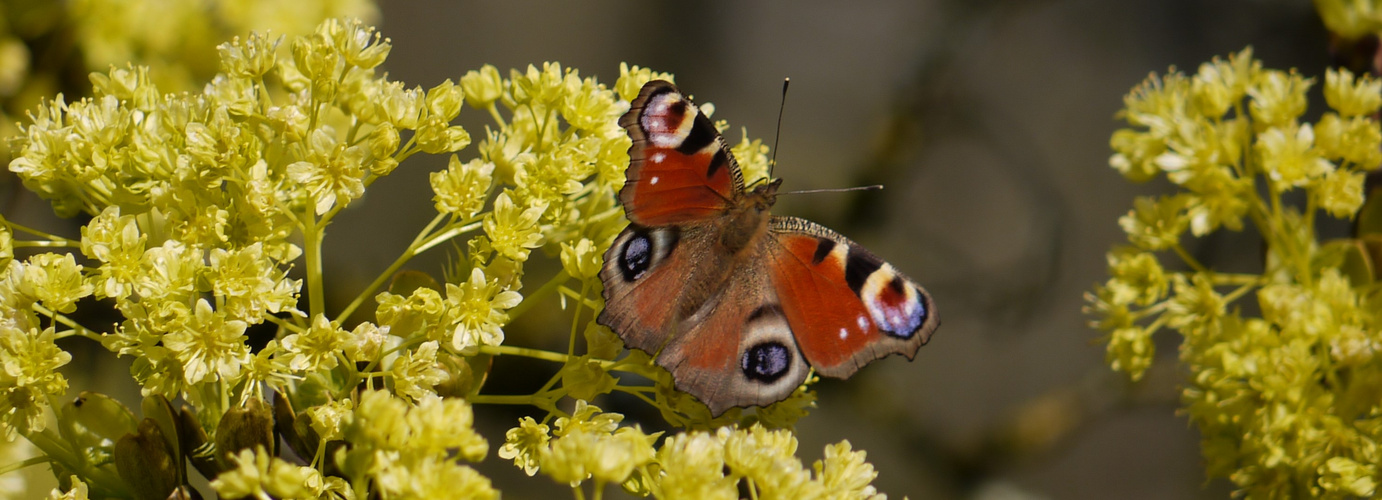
<point>432,477</point>
<point>29,377</point>
<point>1340,474</point>
<point>483,87</point>
<point>753,158</point>
<point>1195,302</point>
<point>55,280</point>
<point>250,284</point>
<point>1288,156</point>
<point>513,230</point>
<point>209,345</point>
<point>1340,193</point>
<point>333,174</point>
<point>1356,140</point>
<point>1219,85</point>
<point>524,444</point>
<point>1131,350</point>
<point>1278,98</point>
<point>1156,224</point>
<point>462,188</point>
<point>846,474</point>
<point>692,466</point>
<point>259,474</point>
<point>1352,97</point>
<point>1350,19</point>
<point>318,348</point>
<point>632,79</point>
<point>476,308</point>
<point>1136,276</point>
<point>415,372</point>
<point>78,491</point>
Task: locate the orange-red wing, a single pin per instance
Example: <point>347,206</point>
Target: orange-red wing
<point>845,306</point>
<point>679,168</point>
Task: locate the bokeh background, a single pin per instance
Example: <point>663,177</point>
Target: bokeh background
<point>988,123</point>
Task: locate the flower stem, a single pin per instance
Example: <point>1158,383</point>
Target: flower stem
<point>546,288</point>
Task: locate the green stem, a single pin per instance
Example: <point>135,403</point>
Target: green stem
<point>77,328</point>
<point>47,244</point>
<point>41,234</point>
<point>446,235</point>
<point>312,240</point>
<point>636,393</point>
<point>500,350</point>
<point>1189,259</point>
<point>96,477</point>
<point>575,321</point>
<point>388,273</point>
<point>494,113</point>
<point>41,459</point>
<point>546,289</point>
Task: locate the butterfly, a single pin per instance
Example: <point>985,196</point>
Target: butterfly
<point>735,303</point>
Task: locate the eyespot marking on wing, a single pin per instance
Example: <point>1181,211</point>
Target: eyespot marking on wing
<point>896,307</point>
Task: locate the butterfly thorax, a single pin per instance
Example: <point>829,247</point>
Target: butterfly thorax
<point>747,218</point>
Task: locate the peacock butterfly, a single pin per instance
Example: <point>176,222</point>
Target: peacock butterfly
<point>734,302</point>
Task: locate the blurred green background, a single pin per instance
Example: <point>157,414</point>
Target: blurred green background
<point>987,121</point>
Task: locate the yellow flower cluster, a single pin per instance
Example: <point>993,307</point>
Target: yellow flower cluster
<point>590,445</point>
<point>200,203</point>
<point>1286,402</point>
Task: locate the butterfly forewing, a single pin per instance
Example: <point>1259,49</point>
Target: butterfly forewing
<point>679,168</point>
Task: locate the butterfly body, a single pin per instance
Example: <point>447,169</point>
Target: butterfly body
<point>737,303</point>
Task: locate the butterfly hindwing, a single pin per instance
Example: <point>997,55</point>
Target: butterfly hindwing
<point>679,167</point>
<point>846,306</point>
<point>737,349</point>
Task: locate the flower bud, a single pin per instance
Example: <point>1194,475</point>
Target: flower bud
<point>244,429</point>
<point>143,460</point>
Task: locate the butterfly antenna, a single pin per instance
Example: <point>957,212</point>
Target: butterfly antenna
<point>836,190</point>
<point>772,162</point>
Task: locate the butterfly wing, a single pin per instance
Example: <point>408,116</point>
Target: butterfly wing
<point>737,349</point>
<point>845,306</point>
<point>679,167</point>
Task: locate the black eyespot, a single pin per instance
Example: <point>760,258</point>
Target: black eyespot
<point>766,362</point>
<point>636,257</point>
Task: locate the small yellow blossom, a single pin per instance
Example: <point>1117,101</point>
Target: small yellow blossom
<point>477,308</point>
<point>1341,193</point>
<point>1278,97</point>
<point>524,444</point>
<point>1288,157</point>
<point>258,474</point>
<point>316,348</point>
<point>632,79</point>
<point>78,491</point>
<point>1352,97</point>
<point>55,280</point>
<point>483,87</point>
<point>209,345</point>
<point>462,188</point>
<point>845,474</point>
<point>692,466</point>
<point>416,372</point>
<point>29,377</point>
<point>1156,224</point>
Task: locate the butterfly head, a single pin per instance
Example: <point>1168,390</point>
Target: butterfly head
<point>764,194</point>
